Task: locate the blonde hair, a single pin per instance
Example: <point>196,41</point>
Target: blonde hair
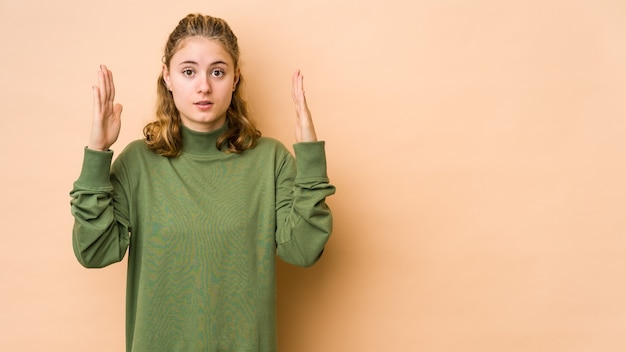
<point>164,134</point>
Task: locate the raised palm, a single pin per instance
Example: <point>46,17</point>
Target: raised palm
<point>106,123</point>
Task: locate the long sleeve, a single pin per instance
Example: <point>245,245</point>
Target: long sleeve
<point>304,221</point>
<point>100,235</point>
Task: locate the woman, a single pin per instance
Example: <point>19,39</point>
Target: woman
<point>203,204</point>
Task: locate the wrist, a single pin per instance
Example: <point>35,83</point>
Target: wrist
<point>97,148</point>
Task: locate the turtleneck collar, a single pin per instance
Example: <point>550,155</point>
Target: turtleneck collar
<point>201,143</point>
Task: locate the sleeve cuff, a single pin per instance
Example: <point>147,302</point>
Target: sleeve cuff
<point>310,161</point>
<point>96,169</point>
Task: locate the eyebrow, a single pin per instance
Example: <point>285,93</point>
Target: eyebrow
<point>191,62</point>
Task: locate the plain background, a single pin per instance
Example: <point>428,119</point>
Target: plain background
<point>477,148</point>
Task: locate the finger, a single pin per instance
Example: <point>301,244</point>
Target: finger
<point>96,99</point>
<point>294,84</point>
<point>111,85</point>
<point>101,89</point>
<point>298,88</point>
<point>298,81</point>
<point>117,111</point>
<point>107,84</point>
<point>102,77</point>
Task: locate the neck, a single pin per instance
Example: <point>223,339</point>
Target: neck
<point>201,143</point>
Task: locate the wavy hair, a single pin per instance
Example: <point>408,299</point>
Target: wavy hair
<point>164,134</point>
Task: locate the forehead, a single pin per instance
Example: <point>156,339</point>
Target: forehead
<point>201,49</point>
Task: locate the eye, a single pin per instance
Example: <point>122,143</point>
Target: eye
<point>218,72</point>
<point>188,72</point>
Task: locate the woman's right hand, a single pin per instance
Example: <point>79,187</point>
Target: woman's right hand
<point>106,123</point>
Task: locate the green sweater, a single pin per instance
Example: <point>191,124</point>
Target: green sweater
<point>202,232</point>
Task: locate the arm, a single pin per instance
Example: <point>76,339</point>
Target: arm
<point>304,219</point>
<point>100,233</point>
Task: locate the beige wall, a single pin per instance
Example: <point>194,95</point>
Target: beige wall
<point>477,146</point>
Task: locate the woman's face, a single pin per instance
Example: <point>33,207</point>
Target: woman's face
<point>202,78</point>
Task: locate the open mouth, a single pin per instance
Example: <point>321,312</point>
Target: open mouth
<point>204,105</point>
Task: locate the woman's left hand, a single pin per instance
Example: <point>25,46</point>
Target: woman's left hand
<point>305,131</point>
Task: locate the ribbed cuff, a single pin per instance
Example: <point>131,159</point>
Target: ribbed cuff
<point>96,169</point>
<point>310,161</point>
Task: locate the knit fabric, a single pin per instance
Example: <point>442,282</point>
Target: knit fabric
<point>202,231</point>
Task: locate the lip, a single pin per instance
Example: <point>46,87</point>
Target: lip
<point>203,104</point>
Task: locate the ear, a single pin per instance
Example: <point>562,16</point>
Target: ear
<point>236,81</point>
<point>166,77</point>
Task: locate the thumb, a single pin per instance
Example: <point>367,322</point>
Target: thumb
<point>117,110</point>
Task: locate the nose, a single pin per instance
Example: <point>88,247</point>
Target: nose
<point>204,84</point>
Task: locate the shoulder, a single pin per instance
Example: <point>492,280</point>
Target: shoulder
<point>269,143</point>
<point>268,151</point>
<point>269,146</point>
<point>134,147</point>
<point>136,150</point>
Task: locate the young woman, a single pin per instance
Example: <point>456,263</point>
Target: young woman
<point>203,204</point>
